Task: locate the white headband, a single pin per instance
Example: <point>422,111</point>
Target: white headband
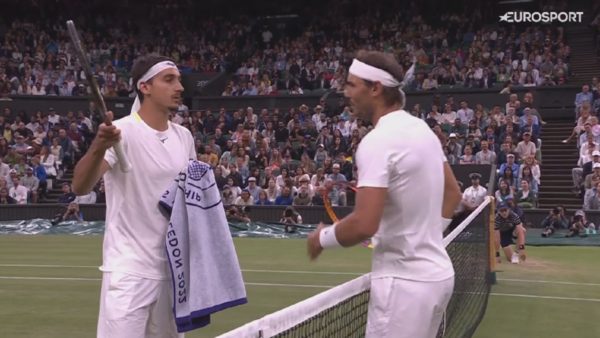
<point>157,68</point>
<point>368,72</point>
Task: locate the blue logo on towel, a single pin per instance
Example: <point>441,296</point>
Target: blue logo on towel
<point>196,170</point>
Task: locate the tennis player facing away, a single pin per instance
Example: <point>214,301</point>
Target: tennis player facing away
<point>400,203</point>
<point>136,295</point>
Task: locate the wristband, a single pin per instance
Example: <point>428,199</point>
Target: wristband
<point>327,237</point>
<point>521,247</point>
<point>446,222</point>
<point>497,253</point>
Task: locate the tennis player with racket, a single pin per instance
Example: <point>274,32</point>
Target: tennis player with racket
<point>403,202</point>
<point>136,295</point>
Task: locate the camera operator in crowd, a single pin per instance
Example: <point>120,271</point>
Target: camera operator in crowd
<point>237,214</point>
<point>290,218</point>
<point>72,213</point>
<point>554,221</point>
<point>580,226</point>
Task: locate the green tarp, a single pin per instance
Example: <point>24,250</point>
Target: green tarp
<point>254,229</point>
<point>43,226</point>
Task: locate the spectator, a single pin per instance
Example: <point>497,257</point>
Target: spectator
<point>303,197</point>
<point>67,196</point>
<point>584,96</point>
<point>245,199</point>
<point>510,164</point>
<point>525,198</point>
<point>320,155</point>
<point>504,192</point>
<point>285,198</point>
<point>508,177</point>
<point>474,195</point>
<point>528,176</point>
<point>32,184</point>
<point>273,190</point>
<point>580,173</point>
<point>584,114</point>
<point>227,195</point>
<point>262,199</point>
<point>592,179</point>
<point>5,197</point>
<point>235,189</point>
<point>485,156</point>
<point>338,184</point>
<point>100,192</point>
<point>468,157</point>
<point>253,189</point>
<point>40,172</point>
<point>4,168</point>
<point>454,147</point>
<point>591,199</point>
<point>526,148</point>
<point>534,167</point>
<point>18,192</point>
<point>465,114</point>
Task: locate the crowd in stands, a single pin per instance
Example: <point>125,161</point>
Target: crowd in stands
<point>455,50</point>
<point>586,134</point>
<point>273,157</point>
<point>595,25</point>
<point>35,151</point>
<point>37,57</point>
<point>460,50</point>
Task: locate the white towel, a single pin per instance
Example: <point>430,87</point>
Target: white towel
<point>204,266</point>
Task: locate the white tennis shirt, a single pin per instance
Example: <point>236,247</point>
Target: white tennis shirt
<point>134,238</point>
<point>403,155</point>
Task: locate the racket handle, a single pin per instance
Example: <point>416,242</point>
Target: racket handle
<point>123,160</point>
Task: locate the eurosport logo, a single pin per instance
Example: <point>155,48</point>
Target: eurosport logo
<point>545,17</point>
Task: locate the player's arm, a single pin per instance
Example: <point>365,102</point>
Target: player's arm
<point>452,194</point>
<point>363,222</point>
<point>520,232</point>
<point>92,165</point>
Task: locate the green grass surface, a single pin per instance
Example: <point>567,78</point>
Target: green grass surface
<point>528,301</point>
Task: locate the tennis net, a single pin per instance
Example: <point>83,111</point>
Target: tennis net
<point>342,310</point>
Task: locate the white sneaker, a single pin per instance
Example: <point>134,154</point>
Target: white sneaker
<point>515,258</point>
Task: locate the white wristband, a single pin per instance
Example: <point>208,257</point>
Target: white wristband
<point>446,222</point>
<point>327,238</point>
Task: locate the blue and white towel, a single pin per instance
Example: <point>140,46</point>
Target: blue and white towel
<point>204,266</point>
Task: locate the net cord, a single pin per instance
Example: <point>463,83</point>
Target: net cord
<point>277,322</point>
<point>451,236</point>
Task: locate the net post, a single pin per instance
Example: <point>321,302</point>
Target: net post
<point>492,241</point>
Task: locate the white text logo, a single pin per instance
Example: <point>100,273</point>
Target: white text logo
<point>545,17</point>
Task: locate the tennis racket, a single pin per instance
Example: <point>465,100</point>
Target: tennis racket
<point>124,163</point>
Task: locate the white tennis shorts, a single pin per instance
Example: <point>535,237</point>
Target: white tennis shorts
<point>402,308</point>
<point>134,307</point>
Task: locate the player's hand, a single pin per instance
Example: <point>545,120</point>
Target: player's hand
<point>522,255</point>
<point>108,135</point>
<point>313,244</point>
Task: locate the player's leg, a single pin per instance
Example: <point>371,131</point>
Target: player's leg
<point>506,242</point>
<point>497,245</point>
<point>401,309</point>
<point>161,323</point>
<point>124,305</point>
